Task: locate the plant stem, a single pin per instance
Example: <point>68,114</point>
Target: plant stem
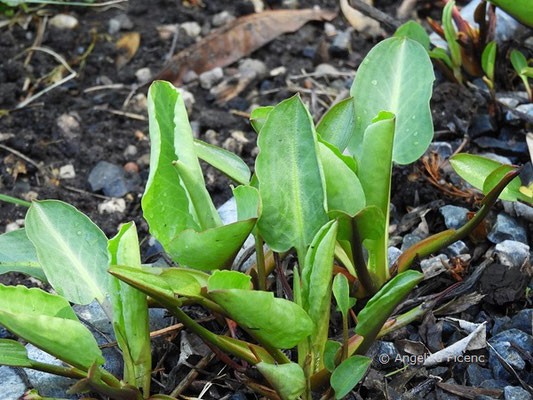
<point>14,200</point>
<point>359,260</point>
<point>260,257</point>
<point>68,372</point>
<point>345,336</point>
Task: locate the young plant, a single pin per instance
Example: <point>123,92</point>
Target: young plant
<point>306,196</point>
<point>523,70</point>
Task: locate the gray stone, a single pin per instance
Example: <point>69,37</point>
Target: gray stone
<point>392,254</point>
<point>510,102</point>
<point>512,253</point>
<point>385,355</point>
<point>493,384</point>
<point>433,266</point>
<point>456,249</point>
<point>502,344</point>
<point>143,75</point>
<point>252,67</point>
<point>210,78</point>
<point>523,320</point>
<point>119,23</point>
<point>47,385</point>
<point>341,44</point>
<point>507,228</point>
<point>477,374</point>
<point>520,210</point>
<point>500,325</point>
<point>111,179</point>
<point>443,149</point>
<point>510,146</point>
<point>222,18</point>
<point>191,28</point>
<point>516,393</point>
<point>290,3</point>
<point>64,22</point>
<point>409,240</point>
<point>454,217</point>
<point>481,124</point>
<point>11,385</point>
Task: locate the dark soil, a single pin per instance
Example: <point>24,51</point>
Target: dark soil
<point>103,135</point>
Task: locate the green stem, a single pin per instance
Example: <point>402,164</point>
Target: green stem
<point>14,200</point>
<point>68,372</point>
<point>345,336</point>
<point>359,260</point>
<point>403,320</point>
<point>260,257</point>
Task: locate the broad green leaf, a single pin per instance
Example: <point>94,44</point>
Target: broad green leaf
<point>341,291</point>
<point>17,254</point>
<point>512,190</point>
<point>440,54</point>
<point>375,178</point>
<point>223,160</point>
<point>330,354</point>
<point>13,354</point>
<point>316,288</point>
<point>229,280</point>
<point>290,178</point>
<point>287,379</point>
<point>370,223</point>
<point>382,304</point>
<point>476,169</point>
<point>396,76</point>
<point>71,249</point>
<point>348,374</point>
<point>488,59</point>
<point>413,30</point>
<point>450,33</point>
<point>34,301</point>
<point>337,126</point>
<point>277,322</point>
<point>248,202</point>
<point>130,311</point>
<point>210,249</point>
<point>165,203</point>
<point>65,339</point>
<point>259,116</point>
<point>343,189</point>
<point>522,10</point>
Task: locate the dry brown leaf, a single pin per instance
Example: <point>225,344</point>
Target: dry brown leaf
<point>238,39</point>
<point>360,22</point>
<point>127,46</point>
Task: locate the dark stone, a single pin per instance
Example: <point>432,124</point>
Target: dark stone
<point>481,124</point>
<point>238,103</point>
<point>111,179</point>
<point>409,240</point>
<point>456,249</point>
<point>454,217</point>
<point>477,374</point>
<point>507,228</point>
<point>238,396</point>
<point>385,355</point>
<point>523,320</point>
<point>493,384</point>
<point>500,324</point>
<point>516,393</point>
<point>503,284</point>
<point>486,142</point>
<point>341,45</point>
<point>504,344</point>
<point>308,52</point>
<point>443,149</point>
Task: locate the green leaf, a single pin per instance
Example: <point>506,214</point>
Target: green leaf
<point>43,319</point>
<point>71,249</point>
<point>221,280</point>
<point>290,178</point>
<point>341,291</point>
<point>330,354</point>
<point>348,374</point>
<point>440,54</point>
<point>337,126</point>
<point>450,33</point>
<point>316,288</point>
<point>522,10</point>
<point>259,116</point>
<point>17,254</point>
<point>382,304</point>
<point>396,76</point>
<point>165,202</point>
<point>375,178</point>
<point>287,379</point>
<point>519,61</point>
<point>413,30</point>
<point>477,169</point>
<point>210,249</point>
<point>343,189</point>
<point>277,322</point>
<point>13,354</point>
<point>225,161</point>
<point>370,223</point>
<point>130,311</point>
<point>488,59</point>
<point>248,202</point>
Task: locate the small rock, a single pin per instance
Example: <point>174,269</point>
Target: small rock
<point>523,320</point>
<point>290,3</point>
<point>119,23</point>
<point>11,384</point>
<point>326,69</point>
<point>131,168</point>
<point>519,210</point>
<point>481,124</point>
<point>500,324</point>
<point>516,393</point>
<point>64,21</point>
<point>188,99</point>
<point>68,124</point>
<point>502,344</point>
<point>385,355</point>
<point>210,78</point>
<point>454,217</point>
<point>512,253</point>
<point>409,240</point>
<point>189,77</point>
<point>259,6</point>
<point>143,75</point>
<point>527,109</point>
<point>144,160</point>
<point>115,205</point>
<point>67,172</point>
<point>330,29</point>
<point>433,266</point>
<point>456,249</point>
<point>114,26</point>
<point>477,374</point>
<point>493,384</point>
<point>13,226</point>
<point>510,102</point>
<point>222,18</point>
<point>503,284</point>
<point>130,151</point>
<point>239,137</point>
<point>250,66</point>
<point>510,146</point>
<point>155,248</point>
<point>507,228</point>
<point>110,178</point>
<point>233,145</point>
<point>211,137</point>
<point>238,396</point>
<point>308,52</point>
<point>443,149</point>
<point>139,103</point>
<point>191,28</point>
<point>341,45</point>
<point>392,254</point>
<point>30,196</point>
